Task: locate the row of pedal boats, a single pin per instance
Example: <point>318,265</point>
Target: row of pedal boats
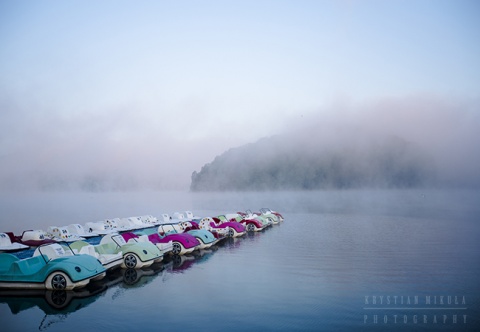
<point>69,257</point>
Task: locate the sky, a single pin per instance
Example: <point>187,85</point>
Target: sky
<point>143,93</point>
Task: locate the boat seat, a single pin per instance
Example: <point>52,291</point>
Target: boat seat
<point>5,240</point>
<point>143,238</point>
<point>29,265</point>
<point>78,245</point>
<point>12,237</point>
<point>129,236</point>
<point>154,238</point>
<point>88,250</point>
<point>106,248</point>
<point>52,251</point>
<point>170,229</point>
<point>7,260</point>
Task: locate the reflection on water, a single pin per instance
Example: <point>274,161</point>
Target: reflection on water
<point>58,305</point>
<point>313,272</point>
<point>50,302</point>
<point>55,304</point>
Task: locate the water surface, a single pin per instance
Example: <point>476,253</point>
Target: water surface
<point>342,260</point>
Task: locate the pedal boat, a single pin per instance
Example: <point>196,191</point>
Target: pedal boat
<point>205,237</point>
<point>43,272</point>
<point>235,228</point>
<point>163,244</point>
<point>252,222</point>
<point>79,230</point>
<point>8,243</point>
<point>135,254</point>
<point>60,234</point>
<point>32,238</point>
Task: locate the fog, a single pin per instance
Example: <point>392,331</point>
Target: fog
<point>121,96</point>
<point>125,150</point>
<point>394,143</point>
<point>447,130</point>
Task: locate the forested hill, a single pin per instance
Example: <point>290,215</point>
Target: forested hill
<point>288,163</point>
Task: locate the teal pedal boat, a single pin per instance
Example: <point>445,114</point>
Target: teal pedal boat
<point>42,272</point>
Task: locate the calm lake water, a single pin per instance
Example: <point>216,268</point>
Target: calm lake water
<point>342,260</point>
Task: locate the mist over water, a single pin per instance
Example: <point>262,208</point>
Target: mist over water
<point>414,143</point>
<point>89,152</point>
<point>38,210</point>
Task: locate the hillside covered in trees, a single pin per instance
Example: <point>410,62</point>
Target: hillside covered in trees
<point>287,162</point>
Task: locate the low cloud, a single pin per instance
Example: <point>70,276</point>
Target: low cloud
<point>447,129</point>
<point>132,147</point>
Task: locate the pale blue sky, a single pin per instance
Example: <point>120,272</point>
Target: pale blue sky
<point>178,82</point>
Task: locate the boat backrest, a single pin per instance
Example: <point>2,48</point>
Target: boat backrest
<point>76,229</point>
<point>106,248</point>
<point>149,219</point>
<point>93,226</point>
<point>129,223</point>
<point>53,230</point>
<point>112,223</point>
<point>61,232</point>
<point>188,226</point>
<point>12,237</point>
<point>78,245</point>
<point>154,238</point>
<point>7,260</point>
<point>143,238</point>
<point>28,266</point>
<point>229,216</point>
<point>178,216</point>
<point>233,217</point>
<point>52,251</point>
<point>5,240</point>
<point>128,236</point>
<point>169,229</point>
<point>88,250</point>
<point>35,235</point>
<point>165,218</point>
<point>205,221</point>
<point>136,221</point>
<point>124,223</point>
<point>115,238</point>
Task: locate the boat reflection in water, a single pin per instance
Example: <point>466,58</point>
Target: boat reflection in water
<point>50,301</point>
<point>136,277</point>
<point>57,306</point>
<point>181,263</point>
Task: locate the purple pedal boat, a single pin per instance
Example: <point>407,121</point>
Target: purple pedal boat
<point>235,229</point>
<point>182,243</point>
